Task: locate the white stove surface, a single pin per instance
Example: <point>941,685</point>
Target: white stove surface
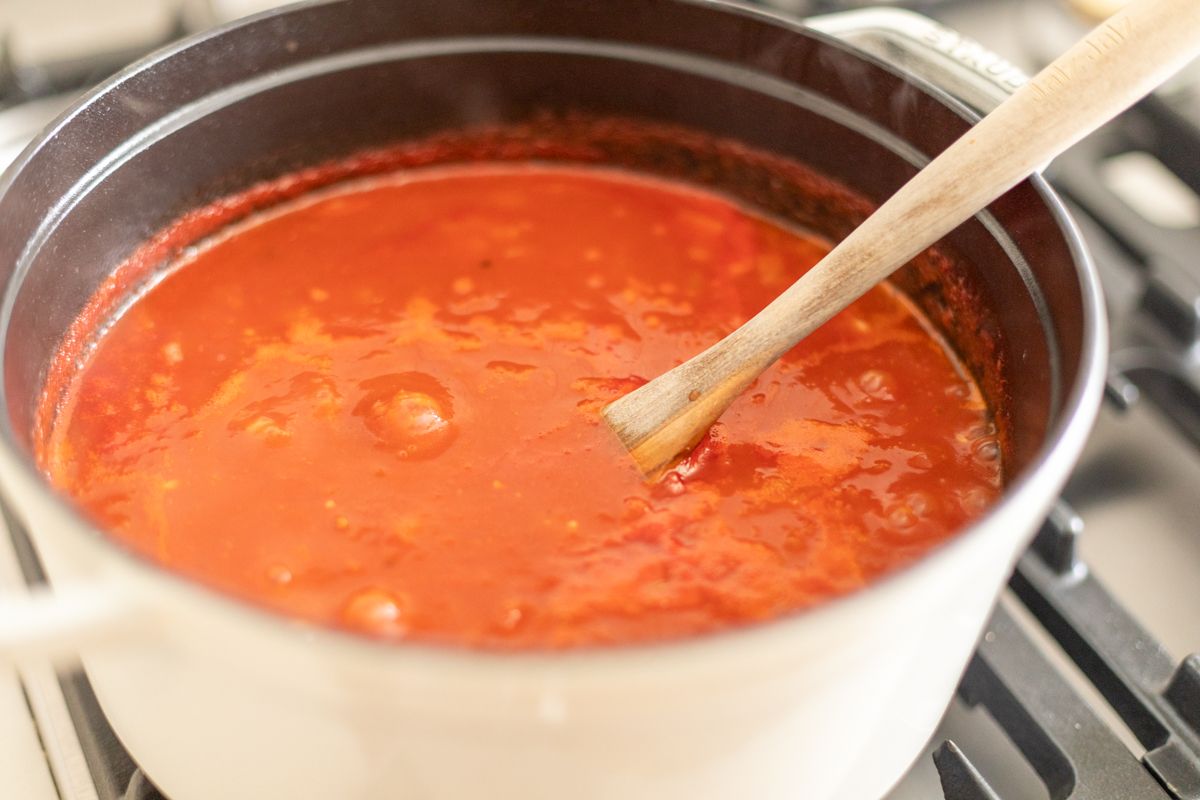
<point>1137,487</point>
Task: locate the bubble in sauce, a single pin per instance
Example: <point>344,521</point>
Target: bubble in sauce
<point>279,574</point>
<point>271,428</point>
<point>410,412</point>
<point>634,508</point>
<point>377,612</point>
<point>876,383</point>
<point>986,449</point>
<point>902,517</point>
<point>982,430</point>
<point>512,616</point>
<point>670,484</point>
<point>173,352</point>
<point>918,503</point>
<point>974,499</point>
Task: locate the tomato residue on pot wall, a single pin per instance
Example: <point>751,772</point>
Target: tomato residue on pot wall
<point>379,409</point>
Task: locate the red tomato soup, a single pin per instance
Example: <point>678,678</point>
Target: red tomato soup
<point>378,408</point>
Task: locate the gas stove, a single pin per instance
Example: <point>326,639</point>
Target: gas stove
<point>1079,688</point>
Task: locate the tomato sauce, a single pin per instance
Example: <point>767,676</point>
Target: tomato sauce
<point>378,408</point>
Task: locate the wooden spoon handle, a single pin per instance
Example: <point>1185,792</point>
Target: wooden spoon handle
<point>1115,65</point>
<point>1103,74</point>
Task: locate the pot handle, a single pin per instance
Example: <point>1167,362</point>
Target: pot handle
<point>44,624</point>
<point>942,57</point>
<point>39,622</point>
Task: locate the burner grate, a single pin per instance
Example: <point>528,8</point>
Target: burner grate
<point>1160,352</point>
<point>1075,753</point>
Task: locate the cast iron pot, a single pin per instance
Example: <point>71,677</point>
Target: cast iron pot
<point>215,698</point>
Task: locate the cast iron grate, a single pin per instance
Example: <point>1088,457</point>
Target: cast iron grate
<point>1074,752</point>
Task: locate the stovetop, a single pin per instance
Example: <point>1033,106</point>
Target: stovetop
<point>1077,689</point>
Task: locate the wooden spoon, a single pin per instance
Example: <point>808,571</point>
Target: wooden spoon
<point>1103,74</point>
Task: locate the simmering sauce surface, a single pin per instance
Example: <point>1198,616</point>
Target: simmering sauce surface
<point>379,409</point>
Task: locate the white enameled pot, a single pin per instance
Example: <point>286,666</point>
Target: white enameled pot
<point>216,699</point>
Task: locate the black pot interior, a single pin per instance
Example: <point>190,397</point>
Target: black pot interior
<point>301,87</point>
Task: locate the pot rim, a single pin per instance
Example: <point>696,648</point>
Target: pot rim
<point>1059,451</point>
